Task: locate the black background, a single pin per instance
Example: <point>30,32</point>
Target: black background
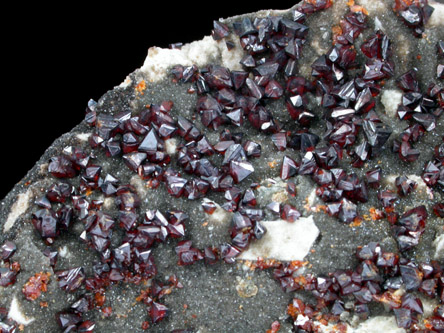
<point>56,59</point>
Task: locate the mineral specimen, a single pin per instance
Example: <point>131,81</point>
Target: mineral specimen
<point>299,152</point>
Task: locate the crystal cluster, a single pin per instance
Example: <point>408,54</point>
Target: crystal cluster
<point>8,269</point>
<point>8,276</point>
<point>381,277</point>
<point>414,14</point>
<point>347,82</point>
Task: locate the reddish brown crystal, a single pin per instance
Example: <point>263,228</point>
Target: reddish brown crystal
<point>35,286</point>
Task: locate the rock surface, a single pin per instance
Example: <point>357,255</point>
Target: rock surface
<point>303,244</point>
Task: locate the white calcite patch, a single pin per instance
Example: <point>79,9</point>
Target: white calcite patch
<point>378,24</point>
<point>272,190</point>
<point>391,98</point>
<point>140,186</point>
<point>439,245</point>
<point>220,215</point>
<point>316,45</point>
<point>377,325</point>
<point>428,305</point>
<point>83,137</point>
<point>283,240</point>
<point>108,203</point>
<point>437,18</point>
<point>403,47</point>
<point>159,60</point>
<point>231,58</point>
<point>126,83</point>
<point>200,53</point>
<point>18,208</point>
<point>43,169</point>
<point>311,198</point>
<point>422,186</point>
<point>373,6</point>
<point>64,252</point>
<point>171,146</point>
<point>389,181</point>
<point>16,314</point>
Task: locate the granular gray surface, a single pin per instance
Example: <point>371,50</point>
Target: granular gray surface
<point>212,298</point>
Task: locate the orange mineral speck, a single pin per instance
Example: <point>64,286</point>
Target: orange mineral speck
<point>315,2</point>
<point>357,8</point>
<point>402,4</point>
<point>337,31</point>
<point>273,164</point>
<point>376,214</point>
<point>35,286</point>
<point>356,222</point>
<point>341,328</point>
<point>275,326</point>
<point>262,263</point>
<point>16,267</point>
<point>107,311</point>
<point>323,321</point>
<point>143,295</point>
<point>141,86</point>
<point>389,298</point>
<point>427,324</point>
<point>292,311</point>
<point>99,298</point>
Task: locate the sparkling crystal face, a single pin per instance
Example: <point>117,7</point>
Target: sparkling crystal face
<point>338,147</point>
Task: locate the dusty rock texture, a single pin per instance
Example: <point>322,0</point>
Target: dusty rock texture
<point>230,297</point>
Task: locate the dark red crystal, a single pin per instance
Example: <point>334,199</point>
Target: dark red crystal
<point>240,170</point>
<point>157,312</point>
<point>289,168</point>
<point>220,30</point>
<point>61,167</point>
<point>71,279</point>
<point>438,209</point>
<point>405,185</point>
<point>373,177</point>
<point>7,250</point>
<point>290,213</point>
<point>68,320</point>
<point>228,253</point>
<point>410,227</point>
<point>7,277</point>
<point>187,254</point>
<point>348,211</point>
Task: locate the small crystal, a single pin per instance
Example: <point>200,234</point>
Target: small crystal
<point>71,279</point>
<point>7,250</point>
<point>289,168</point>
<point>220,30</point>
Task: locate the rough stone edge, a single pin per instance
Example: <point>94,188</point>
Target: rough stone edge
<point>36,173</point>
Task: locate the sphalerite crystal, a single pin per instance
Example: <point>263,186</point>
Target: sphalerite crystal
<point>199,173</point>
